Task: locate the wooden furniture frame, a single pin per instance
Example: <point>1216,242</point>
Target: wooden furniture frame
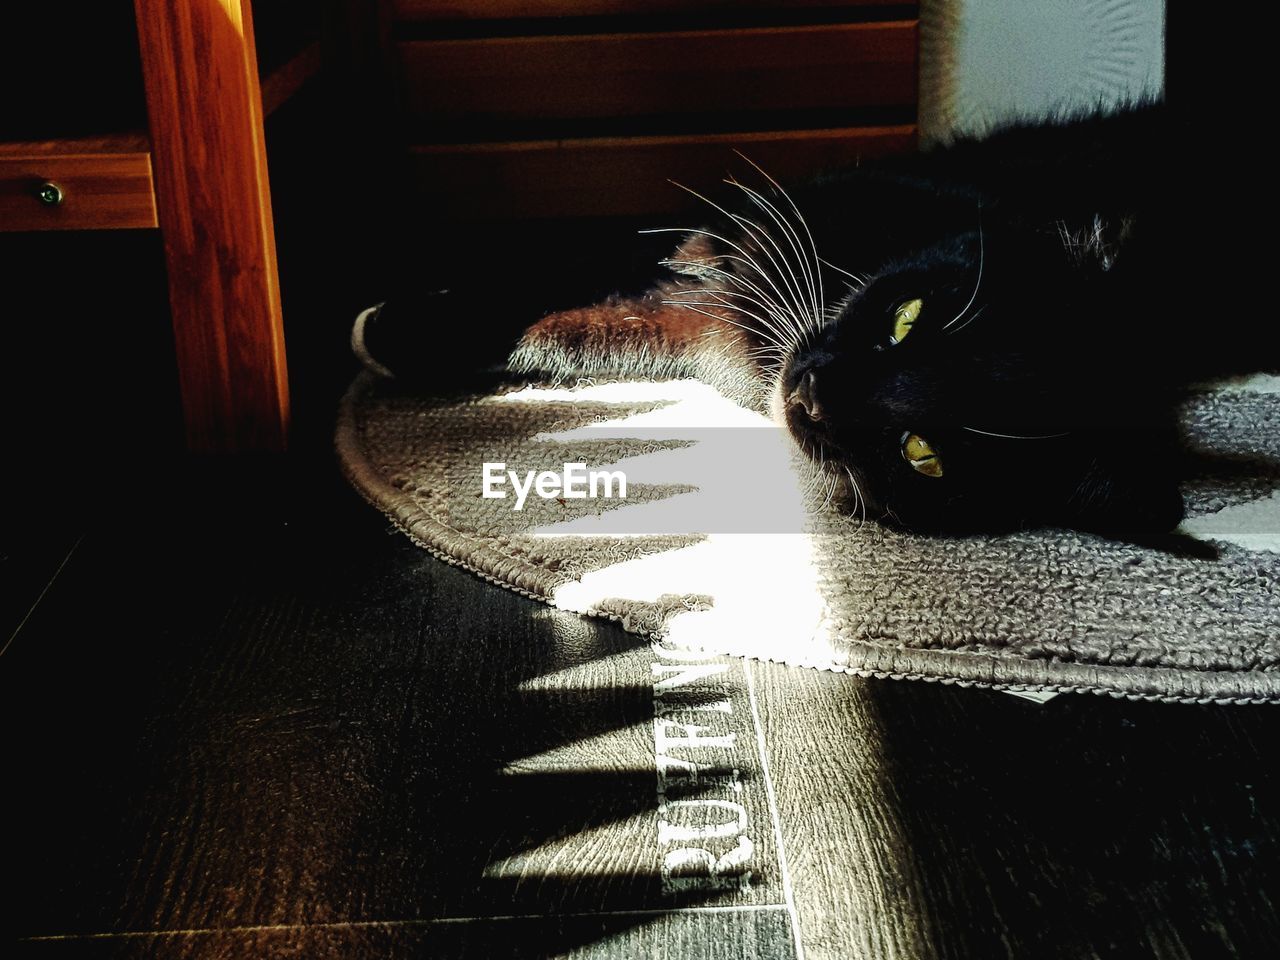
<point>199,175</point>
<point>547,109</point>
<point>514,108</point>
<point>200,70</point>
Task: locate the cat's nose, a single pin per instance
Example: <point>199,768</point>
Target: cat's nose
<point>805,396</point>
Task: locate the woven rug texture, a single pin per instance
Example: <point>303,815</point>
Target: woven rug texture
<point>1044,610</point>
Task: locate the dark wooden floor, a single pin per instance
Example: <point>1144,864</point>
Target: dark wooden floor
<point>245,719</point>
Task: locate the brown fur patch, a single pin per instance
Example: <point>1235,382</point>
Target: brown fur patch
<point>639,338</point>
<point>620,324</point>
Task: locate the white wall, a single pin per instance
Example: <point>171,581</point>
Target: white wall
<point>984,61</point>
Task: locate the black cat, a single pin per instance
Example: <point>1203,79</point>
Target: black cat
<point>981,337</point>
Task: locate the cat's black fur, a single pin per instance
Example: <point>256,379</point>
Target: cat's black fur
<point>1075,276</point>
<point>1054,263</point>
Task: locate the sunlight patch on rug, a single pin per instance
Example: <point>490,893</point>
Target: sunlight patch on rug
<point>764,586</point>
<point>1254,526</point>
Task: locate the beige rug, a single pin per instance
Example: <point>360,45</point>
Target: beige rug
<point>719,546</point>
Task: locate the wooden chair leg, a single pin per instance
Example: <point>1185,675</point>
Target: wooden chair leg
<point>200,71</point>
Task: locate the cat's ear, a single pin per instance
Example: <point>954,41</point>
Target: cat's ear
<point>694,256</point>
<point>696,246</point>
<point>1126,496</point>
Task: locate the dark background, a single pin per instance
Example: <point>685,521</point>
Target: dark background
<point>87,370</point>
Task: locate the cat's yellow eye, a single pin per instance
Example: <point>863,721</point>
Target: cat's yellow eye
<point>918,452</point>
<point>904,318</point>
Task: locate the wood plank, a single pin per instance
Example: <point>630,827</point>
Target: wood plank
<point>106,183</point>
<point>518,9</point>
<point>748,934</point>
<point>829,66</point>
<point>214,204</point>
<point>290,77</point>
<point>966,823</point>
<point>625,176</point>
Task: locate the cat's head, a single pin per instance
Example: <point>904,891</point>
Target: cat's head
<point>980,384</point>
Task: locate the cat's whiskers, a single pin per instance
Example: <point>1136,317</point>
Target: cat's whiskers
<point>786,333</point>
<point>832,487</point>
<point>796,309</point>
<point>799,216</point>
<point>755,231</point>
<point>764,299</point>
<point>853,490</point>
<point>791,288</point>
<point>696,306</point>
<point>858,278</point>
<point>828,480</point>
<point>769,357</point>
<point>772,370</point>
<point>974,316</point>
<point>793,240</point>
<point>859,501</point>
<point>765,332</point>
<point>815,469</point>
<point>777,291</point>
<point>837,308</point>
<point>1018,436</point>
<point>982,257</point>
<point>745,258</point>
<point>820,474</point>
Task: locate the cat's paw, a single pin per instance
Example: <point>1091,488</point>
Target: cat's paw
<point>360,342</point>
